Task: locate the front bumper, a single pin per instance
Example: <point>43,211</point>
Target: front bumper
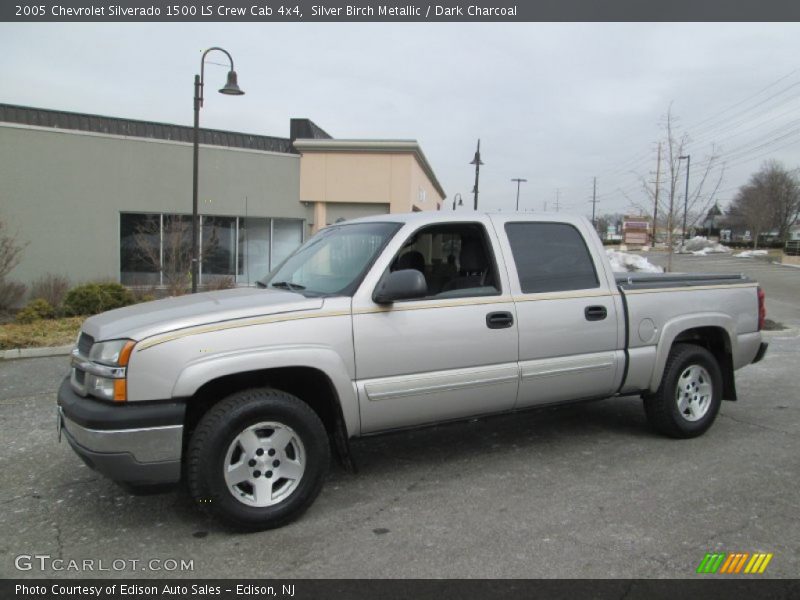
<point>132,443</point>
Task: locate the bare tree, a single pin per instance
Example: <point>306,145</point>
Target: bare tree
<point>663,196</point>
<point>170,251</point>
<point>11,292</point>
<point>770,200</point>
<point>748,206</point>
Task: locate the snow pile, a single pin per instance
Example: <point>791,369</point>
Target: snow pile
<point>622,262</point>
<point>751,253</point>
<point>700,246</point>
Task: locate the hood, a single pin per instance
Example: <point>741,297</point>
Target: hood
<point>160,316</point>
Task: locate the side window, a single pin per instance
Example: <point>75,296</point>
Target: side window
<point>551,257</point>
<point>456,260</point>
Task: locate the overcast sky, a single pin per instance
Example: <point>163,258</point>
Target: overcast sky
<point>554,103</point>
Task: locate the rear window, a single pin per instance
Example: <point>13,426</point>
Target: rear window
<point>551,257</point>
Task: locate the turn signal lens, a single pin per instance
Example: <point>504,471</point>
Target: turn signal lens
<point>125,353</point>
<point>120,390</point>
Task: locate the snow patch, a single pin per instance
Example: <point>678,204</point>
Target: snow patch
<point>700,246</point>
<point>622,262</point>
<point>751,253</point>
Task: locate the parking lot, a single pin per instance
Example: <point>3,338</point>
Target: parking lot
<point>582,491</point>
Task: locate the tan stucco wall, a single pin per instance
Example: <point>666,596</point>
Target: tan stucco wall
<point>420,181</point>
<point>364,177</point>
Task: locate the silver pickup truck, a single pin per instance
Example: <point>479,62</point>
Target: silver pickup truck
<point>385,323</point>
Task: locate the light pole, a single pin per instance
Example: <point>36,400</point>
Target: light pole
<point>460,201</point>
<point>477,162</point>
<point>688,158</point>
<point>519,180</point>
<point>231,88</point>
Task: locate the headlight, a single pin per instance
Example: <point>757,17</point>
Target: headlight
<point>106,370</point>
<point>115,353</point>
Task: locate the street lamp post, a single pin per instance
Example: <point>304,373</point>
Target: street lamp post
<point>460,201</point>
<point>477,162</point>
<point>519,180</point>
<point>688,158</point>
<point>231,88</point>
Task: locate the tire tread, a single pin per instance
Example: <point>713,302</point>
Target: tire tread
<point>211,421</point>
<point>659,406</point>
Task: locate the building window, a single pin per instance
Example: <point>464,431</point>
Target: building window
<point>176,249</point>
<point>155,249</point>
<point>254,249</point>
<point>140,249</point>
<point>219,246</point>
<point>287,235</point>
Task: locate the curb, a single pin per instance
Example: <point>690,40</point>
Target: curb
<point>36,352</point>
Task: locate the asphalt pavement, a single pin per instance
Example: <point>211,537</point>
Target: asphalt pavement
<point>581,491</point>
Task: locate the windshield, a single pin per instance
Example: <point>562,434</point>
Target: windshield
<point>333,261</point>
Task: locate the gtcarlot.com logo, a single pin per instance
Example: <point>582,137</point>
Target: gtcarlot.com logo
<point>734,563</point>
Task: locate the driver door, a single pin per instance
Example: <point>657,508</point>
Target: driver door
<point>447,355</point>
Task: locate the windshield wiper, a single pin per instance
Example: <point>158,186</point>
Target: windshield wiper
<point>287,285</point>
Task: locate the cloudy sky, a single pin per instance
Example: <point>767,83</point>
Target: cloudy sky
<point>556,104</point>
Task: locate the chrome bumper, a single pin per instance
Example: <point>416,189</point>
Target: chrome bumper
<point>134,445</point>
<point>148,456</point>
<point>145,445</point>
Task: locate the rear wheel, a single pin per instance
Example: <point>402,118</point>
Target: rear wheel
<point>688,399</point>
<point>258,459</point>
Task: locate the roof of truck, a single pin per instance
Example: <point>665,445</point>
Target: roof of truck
<point>460,216</point>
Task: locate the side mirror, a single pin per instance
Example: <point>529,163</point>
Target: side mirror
<point>400,285</point>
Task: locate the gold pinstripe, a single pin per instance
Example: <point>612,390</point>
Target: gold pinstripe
<point>564,295</point>
<point>235,324</point>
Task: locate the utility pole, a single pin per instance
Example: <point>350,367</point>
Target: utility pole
<point>558,194</point>
<point>519,180</point>
<point>688,158</point>
<point>594,203</point>
<point>545,206</point>
<point>477,162</point>
<point>658,185</point>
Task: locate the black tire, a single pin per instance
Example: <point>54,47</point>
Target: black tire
<point>662,408</point>
<point>214,438</point>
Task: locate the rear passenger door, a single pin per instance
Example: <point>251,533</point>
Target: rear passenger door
<point>567,315</point>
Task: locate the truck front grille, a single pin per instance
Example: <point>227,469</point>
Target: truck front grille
<point>85,343</point>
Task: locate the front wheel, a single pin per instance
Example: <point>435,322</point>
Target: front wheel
<point>688,399</point>
<point>258,459</point>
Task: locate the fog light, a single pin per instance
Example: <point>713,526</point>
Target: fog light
<point>104,388</point>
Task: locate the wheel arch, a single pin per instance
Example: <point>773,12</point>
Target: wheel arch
<point>714,332</point>
<point>328,391</point>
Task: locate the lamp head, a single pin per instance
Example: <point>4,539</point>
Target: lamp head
<point>232,85</point>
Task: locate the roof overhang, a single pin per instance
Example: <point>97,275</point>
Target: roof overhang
<point>372,147</point>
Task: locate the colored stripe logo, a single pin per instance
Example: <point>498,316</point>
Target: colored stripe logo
<point>734,563</point>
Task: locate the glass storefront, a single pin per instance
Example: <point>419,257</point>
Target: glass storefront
<point>254,246</point>
<point>153,246</point>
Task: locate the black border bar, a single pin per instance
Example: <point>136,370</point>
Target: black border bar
<point>401,11</point>
<point>708,588</point>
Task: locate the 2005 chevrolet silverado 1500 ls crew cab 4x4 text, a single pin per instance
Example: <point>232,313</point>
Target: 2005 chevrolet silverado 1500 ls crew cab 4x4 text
<point>390,322</point>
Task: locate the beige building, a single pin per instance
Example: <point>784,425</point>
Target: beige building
<point>346,179</point>
<point>97,197</point>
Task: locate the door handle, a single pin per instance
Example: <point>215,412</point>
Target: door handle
<point>499,320</point>
<point>595,313</point>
